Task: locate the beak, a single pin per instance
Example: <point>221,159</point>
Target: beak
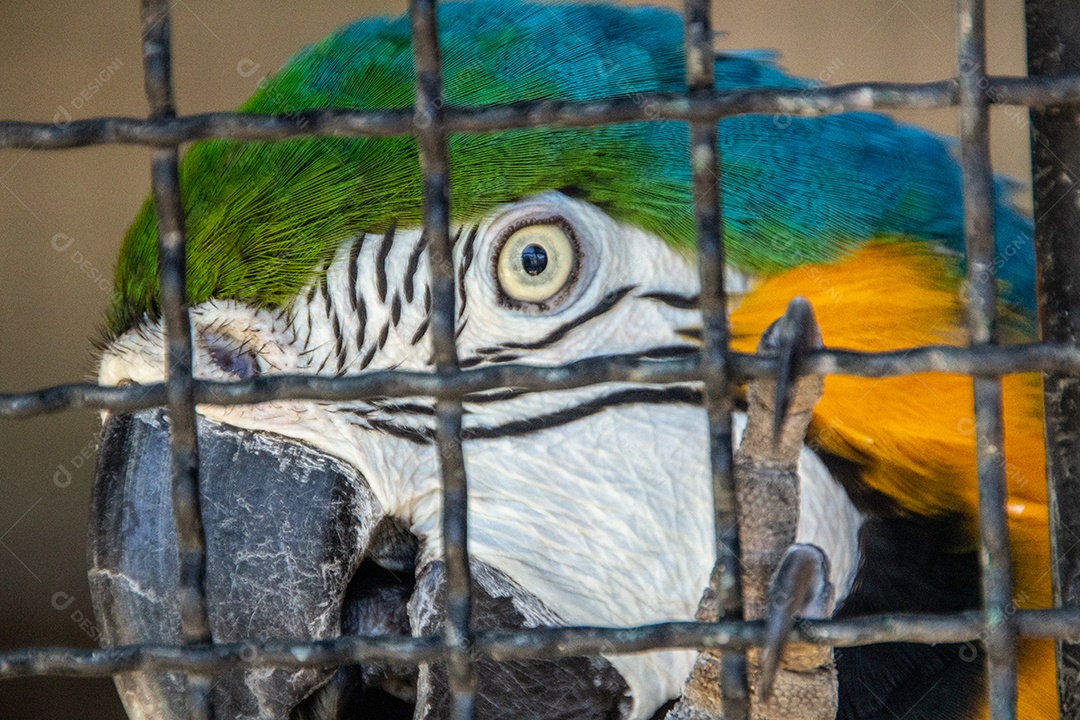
<point>286,528</point>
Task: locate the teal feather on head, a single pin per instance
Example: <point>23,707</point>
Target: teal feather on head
<point>263,218</point>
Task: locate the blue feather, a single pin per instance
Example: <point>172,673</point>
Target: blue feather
<point>796,190</point>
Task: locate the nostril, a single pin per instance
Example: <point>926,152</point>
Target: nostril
<point>231,356</point>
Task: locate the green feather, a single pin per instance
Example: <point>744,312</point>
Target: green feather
<point>263,218</point>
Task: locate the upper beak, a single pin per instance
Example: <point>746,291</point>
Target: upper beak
<point>286,527</point>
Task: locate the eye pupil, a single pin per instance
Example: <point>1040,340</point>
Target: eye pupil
<point>533,259</point>
<point>534,263</point>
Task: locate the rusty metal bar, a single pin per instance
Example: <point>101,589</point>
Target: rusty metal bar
<point>978,184</point>
<point>985,362</point>
<point>706,170</point>
<point>179,386</point>
<point>711,105</point>
<point>550,642</point>
<point>1053,50</point>
<point>435,164</point>
<point>1050,28</point>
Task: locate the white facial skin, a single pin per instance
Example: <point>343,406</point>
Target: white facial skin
<point>603,513</point>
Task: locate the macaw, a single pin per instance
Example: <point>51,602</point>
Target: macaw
<point>588,506</point>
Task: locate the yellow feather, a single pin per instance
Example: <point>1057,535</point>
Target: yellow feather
<point>914,436</point>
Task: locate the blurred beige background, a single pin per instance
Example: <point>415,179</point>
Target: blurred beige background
<point>62,214</point>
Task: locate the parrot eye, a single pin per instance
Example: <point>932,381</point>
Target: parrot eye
<point>537,261</point>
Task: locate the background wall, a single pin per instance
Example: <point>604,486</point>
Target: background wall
<point>62,214</point>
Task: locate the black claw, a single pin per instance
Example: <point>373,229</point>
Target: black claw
<point>799,581</point>
<point>793,335</point>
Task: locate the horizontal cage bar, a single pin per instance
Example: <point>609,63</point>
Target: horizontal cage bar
<point>451,386</point>
<point>987,361</point>
<point>708,105</point>
<point>553,642</point>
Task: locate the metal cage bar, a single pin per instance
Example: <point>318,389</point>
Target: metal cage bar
<point>705,105</point>
<point>991,361</point>
<point>435,166</point>
<point>548,642</point>
<point>978,186</point>
<point>706,172</point>
<point>431,122</point>
<point>1053,47</point>
<point>179,389</point>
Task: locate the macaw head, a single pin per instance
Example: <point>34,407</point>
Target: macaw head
<point>588,506</point>
<point>308,257</point>
<point>311,507</point>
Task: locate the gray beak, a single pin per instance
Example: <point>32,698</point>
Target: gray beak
<point>286,528</point>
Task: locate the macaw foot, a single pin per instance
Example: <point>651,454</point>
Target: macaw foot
<point>797,680</point>
<point>800,588</point>
<point>781,579</point>
<point>787,681</point>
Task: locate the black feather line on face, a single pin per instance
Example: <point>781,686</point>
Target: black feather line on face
<point>369,356</point>
<point>409,286</point>
<point>361,319</point>
<point>466,262</point>
<point>420,332</point>
<point>339,345</point>
<point>354,261</point>
<point>675,300</point>
<point>605,304</point>
<point>380,262</point>
<point>670,395</point>
<point>324,292</point>
<point>395,309</point>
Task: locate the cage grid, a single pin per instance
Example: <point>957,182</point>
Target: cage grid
<point>1054,94</point>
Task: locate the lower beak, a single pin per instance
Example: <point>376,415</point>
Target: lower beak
<point>286,527</point>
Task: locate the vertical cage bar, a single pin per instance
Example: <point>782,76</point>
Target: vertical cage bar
<point>435,166</point>
<point>172,274</point>
<point>706,170</point>
<point>1053,48</point>
<point>978,180</point>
